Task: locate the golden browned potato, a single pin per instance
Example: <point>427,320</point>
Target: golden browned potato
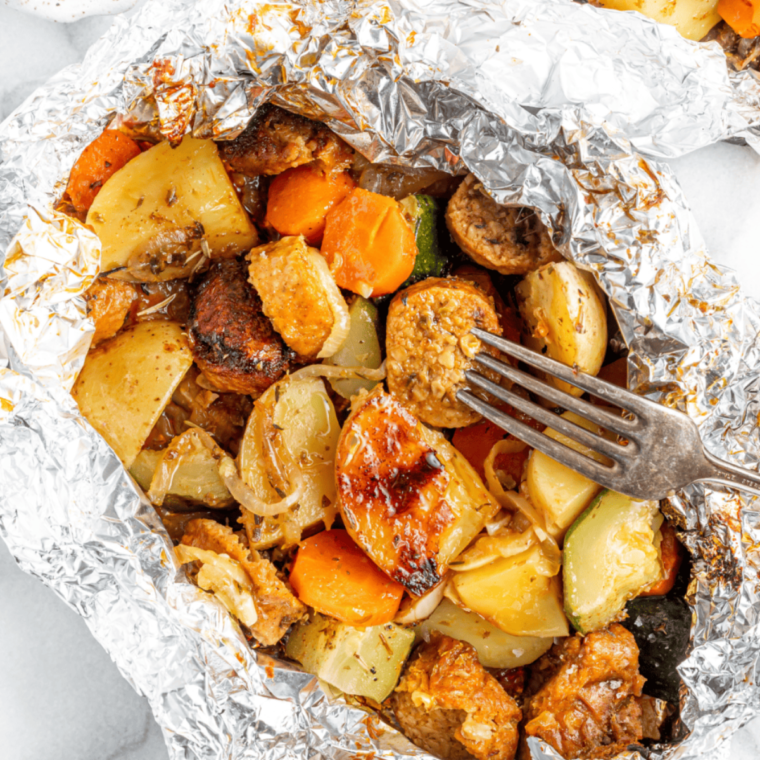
<point>507,239</point>
<point>407,496</point>
<point>108,303</point>
<point>565,318</point>
<point>429,347</point>
<point>157,215</point>
<point>127,381</point>
<point>299,295</point>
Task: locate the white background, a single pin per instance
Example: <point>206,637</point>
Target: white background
<point>61,697</point>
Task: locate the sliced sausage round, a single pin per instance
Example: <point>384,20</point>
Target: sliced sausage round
<point>507,239</point>
<point>429,347</point>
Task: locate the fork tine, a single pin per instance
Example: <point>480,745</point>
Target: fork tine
<point>592,469</point>
<point>600,388</point>
<point>570,429</point>
<point>601,417</point>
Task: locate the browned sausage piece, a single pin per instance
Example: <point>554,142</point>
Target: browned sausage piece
<point>509,240</point>
<point>585,695</point>
<point>276,606</point>
<point>429,347</point>
<point>232,341</point>
<point>276,140</point>
<point>449,705</point>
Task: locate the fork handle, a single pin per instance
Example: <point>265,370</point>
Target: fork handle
<point>720,471</point>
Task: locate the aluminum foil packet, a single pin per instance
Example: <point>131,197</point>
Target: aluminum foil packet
<point>555,105</point>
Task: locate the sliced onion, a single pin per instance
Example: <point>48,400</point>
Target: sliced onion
<point>341,319</point>
<point>246,496</point>
<point>349,373</point>
<point>499,522</point>
<point>174,456</point>
<point>489,548</point>
<point>422,607</point>
<point>517,502</point>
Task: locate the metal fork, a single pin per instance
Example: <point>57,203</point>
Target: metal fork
<point>664,451</point>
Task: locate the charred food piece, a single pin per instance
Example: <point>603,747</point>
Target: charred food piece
<point>586,695</point>
<point>509,240</point>
<point>232,341</point>
<point>276,140</point>
<point>449,705</point>
<point>276,606</point>
<point>429,347</point>
<point>406,495</point>
<point>108,304</point>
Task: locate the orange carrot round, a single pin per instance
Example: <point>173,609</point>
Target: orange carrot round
<point>743,16</point>
<point>369,245</point>
<point>672,556</point>
<point>101,159</point>
<point>335,577</point>
<point>300,199</point>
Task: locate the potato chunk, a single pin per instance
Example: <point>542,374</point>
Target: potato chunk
<point>516,593</point>
<point>692,18</point>
<point>407,496</point>
<point>558,491</point>
<point>127,382</point>
<point>429,347</point>
<point>154,216</point>
<point>565,317</point>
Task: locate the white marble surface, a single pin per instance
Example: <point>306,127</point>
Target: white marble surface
<point>61,697</point>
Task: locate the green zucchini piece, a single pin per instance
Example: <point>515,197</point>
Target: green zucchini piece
<point>421,211</point>
<point>661,626</point>
<point>611,554</point>
<point>361,347</point>
<point>365,662</point>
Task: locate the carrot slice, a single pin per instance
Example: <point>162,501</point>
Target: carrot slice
<point>100,160</point>
<point>672,556</point>
<point>335,577</point>
<point>369,245</point>
<point>300,199</point>
<point>743,16</point>
<point>476,441</point>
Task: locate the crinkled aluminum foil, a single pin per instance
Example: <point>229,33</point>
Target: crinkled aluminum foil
<point>547,102</point>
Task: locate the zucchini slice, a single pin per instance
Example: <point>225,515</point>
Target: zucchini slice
<point>611,554</point>
<point>421,211</point>
<point>360,349</point>
<point>365,662</point>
